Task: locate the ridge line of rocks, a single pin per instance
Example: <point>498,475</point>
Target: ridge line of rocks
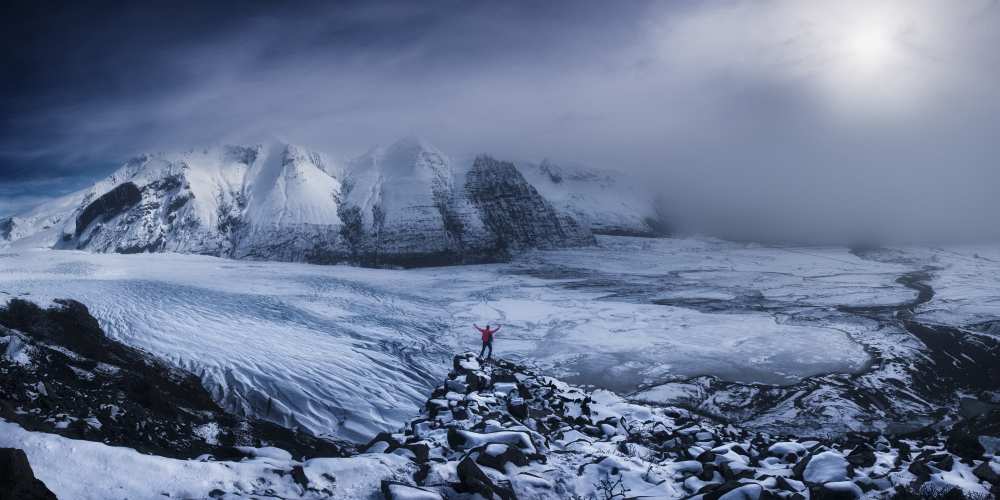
<point>501,431</point>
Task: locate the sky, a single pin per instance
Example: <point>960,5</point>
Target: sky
<point>842,120</point>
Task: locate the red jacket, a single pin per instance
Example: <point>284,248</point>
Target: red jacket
<point>487,332</point>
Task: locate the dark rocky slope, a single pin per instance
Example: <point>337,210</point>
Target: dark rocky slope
<point>510,433</point>
<point>59,373</point>
<point>17,480</point>
<point>516,213</point>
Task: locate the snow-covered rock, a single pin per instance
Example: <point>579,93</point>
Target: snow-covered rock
<point>826,467</point>
<point>570,443</point>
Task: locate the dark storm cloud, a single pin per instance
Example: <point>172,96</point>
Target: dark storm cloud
<point>798,120</point>
<point>95,82</point>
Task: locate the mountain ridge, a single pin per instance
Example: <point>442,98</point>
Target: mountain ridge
<point>408,204</point>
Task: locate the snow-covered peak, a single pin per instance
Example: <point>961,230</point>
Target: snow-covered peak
<point>393,181</point>
<point>289,185</point>
<point>410,157</point>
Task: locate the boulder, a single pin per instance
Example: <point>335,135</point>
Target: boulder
<point>736,491</point>
<point>458,386</point>
<point>299,476</point>
<point>421,450</point>
<point>789,484</point>
<point>460,439</point>
<point>476,381</point>
<point>463,363</point>
<point>474,480</point>
<point>800,467</point>
<point>986,473</point>
<point>393,490</point>
<point>919,469</point>
<point>943,461</point>
<point>497,456</point>
<point>837,490</point>
<point>17,480</point>
<point>825,467</point>
<point>965,445</point>
<point>518,408</point>
<point>785,448</point>
<point>862,456</point>
<point>904,449</point>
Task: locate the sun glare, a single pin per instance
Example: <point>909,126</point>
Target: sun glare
<point>871,74</point>
<point>869,51</point>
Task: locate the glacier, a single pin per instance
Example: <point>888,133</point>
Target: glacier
<point>346,352</point>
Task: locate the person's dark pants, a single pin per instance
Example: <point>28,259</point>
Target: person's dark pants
<point>485,345</point>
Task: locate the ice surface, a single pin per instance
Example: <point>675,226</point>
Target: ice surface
<point>966,285</point>
<point>347,351</point>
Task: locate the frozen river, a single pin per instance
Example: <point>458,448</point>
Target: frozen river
<point>346,351</point>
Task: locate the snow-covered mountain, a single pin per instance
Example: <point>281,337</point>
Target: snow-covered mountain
<point>607,201</point>
<point>264,201</point>
<point>276,202</point>
<point>402,205</point>
<point>408,204</point>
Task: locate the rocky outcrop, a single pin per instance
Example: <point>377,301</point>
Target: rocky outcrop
<point>6,228</point>
<point>515,212</point>
<point>109,205</point>
<point>496,431</point>
<point>500,431</point>
<point>17,480</point>
<point>60,374</point>
<point>154,210</point>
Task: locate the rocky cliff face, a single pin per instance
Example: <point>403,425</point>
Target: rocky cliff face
<point>59,373</point>
<point>402,205</point>
<point>6,228</point>
<point>501,431</point>
<point>514,211</point>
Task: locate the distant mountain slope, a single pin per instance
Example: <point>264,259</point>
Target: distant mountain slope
<point>608,202</point>
<point>408,204</point>
<point>401,206</point>
<point>516,212</point>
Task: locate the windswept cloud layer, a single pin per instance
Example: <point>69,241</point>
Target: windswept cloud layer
<point>770,120</point>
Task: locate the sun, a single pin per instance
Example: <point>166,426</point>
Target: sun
<point>870,50</point>
<point>870,71</point>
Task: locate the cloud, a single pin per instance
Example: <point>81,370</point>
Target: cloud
<point>780,120</point>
